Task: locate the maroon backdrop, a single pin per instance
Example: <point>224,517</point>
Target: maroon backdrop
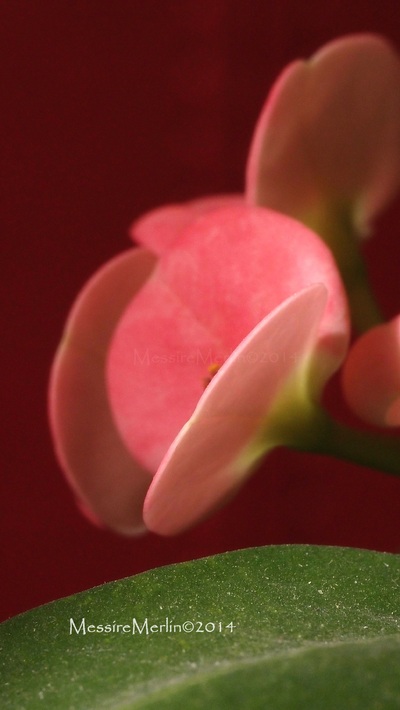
<point>111,109</point>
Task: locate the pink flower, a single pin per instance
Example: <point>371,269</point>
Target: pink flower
<point>187,360</point>
<point>371,375</point>
<point>326,149</point>
<point>193,364</point>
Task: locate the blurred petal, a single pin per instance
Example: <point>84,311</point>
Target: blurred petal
<point>109,484</point>
<point>228,431</point>
<point>329,134</point>
<point>371,375</point>
<point>159,229</point>
<point>157,364</point>
<point>227,271</point>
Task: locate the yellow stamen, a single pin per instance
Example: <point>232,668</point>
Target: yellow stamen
<point>212,369</point>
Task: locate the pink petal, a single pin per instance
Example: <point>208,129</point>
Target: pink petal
<point>157,365</point>
<point>371,375</point>
<point>228,270</point>
<point>159,229</point>
<point>216,450</point>
<point>109,484</point>
<point>329,134</point>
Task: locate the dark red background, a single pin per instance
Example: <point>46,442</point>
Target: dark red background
<point>111,109</point>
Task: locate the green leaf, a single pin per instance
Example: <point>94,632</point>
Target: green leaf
<point>275,627</point>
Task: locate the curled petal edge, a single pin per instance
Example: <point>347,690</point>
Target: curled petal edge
<point>109,484</point>
<point>237,419</point>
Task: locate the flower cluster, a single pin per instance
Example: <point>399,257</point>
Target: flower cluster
<point>189,357</point>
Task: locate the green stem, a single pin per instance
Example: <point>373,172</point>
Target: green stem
<point>329,437</point>
<point>336,227</point>
<point>364,309</point>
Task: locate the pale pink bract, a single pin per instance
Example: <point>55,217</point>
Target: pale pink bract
<point>371,375</point>
<point>327,143</point>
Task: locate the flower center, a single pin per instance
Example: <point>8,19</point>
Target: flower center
<point>212,371</point>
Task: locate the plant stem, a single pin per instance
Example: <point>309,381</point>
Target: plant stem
<point>332,438</point>
<point>335,225</point>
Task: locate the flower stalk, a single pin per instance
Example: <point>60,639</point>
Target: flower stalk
<point>336,227</point>
<point>329,437</point>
